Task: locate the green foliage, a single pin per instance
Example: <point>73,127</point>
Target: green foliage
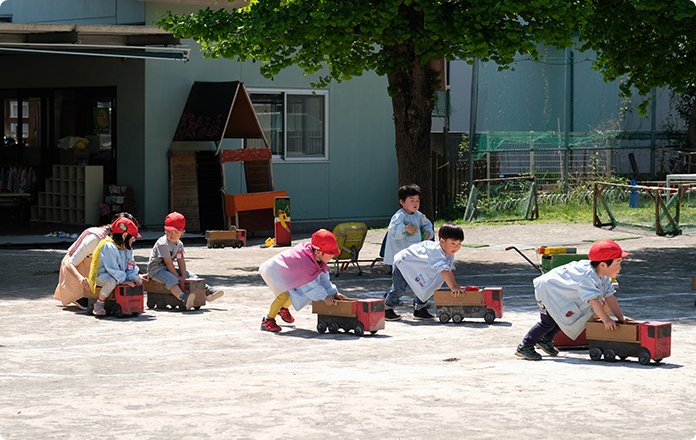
<point>351,37</point>
<point>649,43</point>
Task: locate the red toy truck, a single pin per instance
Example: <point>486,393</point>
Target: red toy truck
<point>473,303</point>
<point>359,315</point>
<point>122,301</point>
<point>646,340</point>
<point>158,296</point>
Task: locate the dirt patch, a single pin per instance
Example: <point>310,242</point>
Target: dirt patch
<point>212,373</point>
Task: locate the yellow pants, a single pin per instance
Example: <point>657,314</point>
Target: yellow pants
<point>282,300</point>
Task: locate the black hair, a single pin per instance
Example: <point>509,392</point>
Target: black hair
<point>595,264</point>
<point>450,231</point>
<point>126,215</point>
<point>122,242</point>
<point>409,190</point>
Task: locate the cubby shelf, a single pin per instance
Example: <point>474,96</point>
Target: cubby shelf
<point>72,195</point>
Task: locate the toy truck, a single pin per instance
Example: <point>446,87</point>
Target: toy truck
<point>123,300</point>
<point>233,238</point>
<point>473,303</point>
<point>159,297</point>
<point>646,340</point>
<point>359,315</point>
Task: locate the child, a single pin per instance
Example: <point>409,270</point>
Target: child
<point>73,280</point>
<point>168,248</point>
<point>569,295</point>
<point>424,267</point>
<point>407,225</point>
<point>113,263</point>
<point>299,276</point>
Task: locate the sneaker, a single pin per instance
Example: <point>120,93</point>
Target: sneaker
<point>213,293</point>
<point>547,346</point>
<point>188,300</point>
<point>285,314</point>
<point>81,303</point>
<point>99,309</point>
<point>422,314</point>
<point>390,315</point>
<point>269,325</point>
<point>527,352</point>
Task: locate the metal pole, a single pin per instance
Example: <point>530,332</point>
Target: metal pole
<point>653,121</point>
<point>568,120</point>
<point>472,123</point>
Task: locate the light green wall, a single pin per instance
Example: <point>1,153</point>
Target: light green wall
<point>357,183</point>
<point>74,11</point>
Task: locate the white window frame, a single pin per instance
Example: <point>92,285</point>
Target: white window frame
<point>285,92</point>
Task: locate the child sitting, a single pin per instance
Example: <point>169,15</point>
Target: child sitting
<point>168,248</point>
<point>570,294</point>
<point>113,263</point>
<point>299,276</point>
<point>424,267</point>
<point>408,225</point>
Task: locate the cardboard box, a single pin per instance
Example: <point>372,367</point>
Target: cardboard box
<point>624,333</point>
<point>342,307</point>
<point>468,298</point>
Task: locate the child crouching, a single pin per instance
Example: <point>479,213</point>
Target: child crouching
<point>424,267</point>
<point>113,263</point>
<point>299,276</point>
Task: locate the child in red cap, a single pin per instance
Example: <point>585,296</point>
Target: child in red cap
<point>299,276</point>
<point>569,295</point>
<point>112,262</point>
<point>161,268</point>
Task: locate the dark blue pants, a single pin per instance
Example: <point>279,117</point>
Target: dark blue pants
<point>546,329</point>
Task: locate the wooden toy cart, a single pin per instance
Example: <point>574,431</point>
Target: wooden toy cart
<point>646,341</point>
<point>473,303</point>
<point>359,315</point>
<point>158,296</point>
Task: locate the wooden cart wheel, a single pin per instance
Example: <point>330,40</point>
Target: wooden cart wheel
<point>321,327</point>
<point>489,317</point>
<point>118,311</point>
<point>444,318</point>
<point>457,318</point>
<point>595,354</point>
<point>359,329</point>
<point>644,357</point>
<point>609,355</point>
<point>333,327</point>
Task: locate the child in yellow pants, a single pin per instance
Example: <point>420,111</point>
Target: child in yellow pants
<point>299,276</point>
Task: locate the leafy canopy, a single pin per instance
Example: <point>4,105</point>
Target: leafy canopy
<point>651,42</point>
<point>351,37</point>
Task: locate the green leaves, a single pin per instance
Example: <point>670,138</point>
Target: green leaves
<point>349,38</point>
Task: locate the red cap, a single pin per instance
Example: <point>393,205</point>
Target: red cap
<point>123,224</point>
<point>603,250</point>
<point>175,222</point>
<point>324,241</point>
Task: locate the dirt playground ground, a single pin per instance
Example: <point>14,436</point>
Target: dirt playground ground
<point>212,374</point>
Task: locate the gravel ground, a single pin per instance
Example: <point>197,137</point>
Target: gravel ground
<point>212,374</point>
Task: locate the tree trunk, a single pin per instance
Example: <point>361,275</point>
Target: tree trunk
<point>411,88</point>
<point>691,129</point>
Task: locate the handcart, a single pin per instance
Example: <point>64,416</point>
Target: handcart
<point>350,238</point>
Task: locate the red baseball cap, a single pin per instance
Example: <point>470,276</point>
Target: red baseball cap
<point>175,222</point>
<point>603,250</point>
<point>123,224</point>
<point>324,241</point>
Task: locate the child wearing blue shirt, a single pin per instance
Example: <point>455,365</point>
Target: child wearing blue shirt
<point>408,225</point>
<point>424,267</point>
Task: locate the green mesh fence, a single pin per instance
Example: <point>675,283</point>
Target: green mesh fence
<point>509,199</point>
<point>443,104</point>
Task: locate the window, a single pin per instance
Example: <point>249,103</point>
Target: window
<point>295,124</point>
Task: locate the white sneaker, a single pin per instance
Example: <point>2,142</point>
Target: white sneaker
<point>78,305</point>
<point>189,300</point>
<point>99,309</point>
<point>213,293</point>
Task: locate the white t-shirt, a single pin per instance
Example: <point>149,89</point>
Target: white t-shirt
<point>422,264</point>
<point>566,291</point>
